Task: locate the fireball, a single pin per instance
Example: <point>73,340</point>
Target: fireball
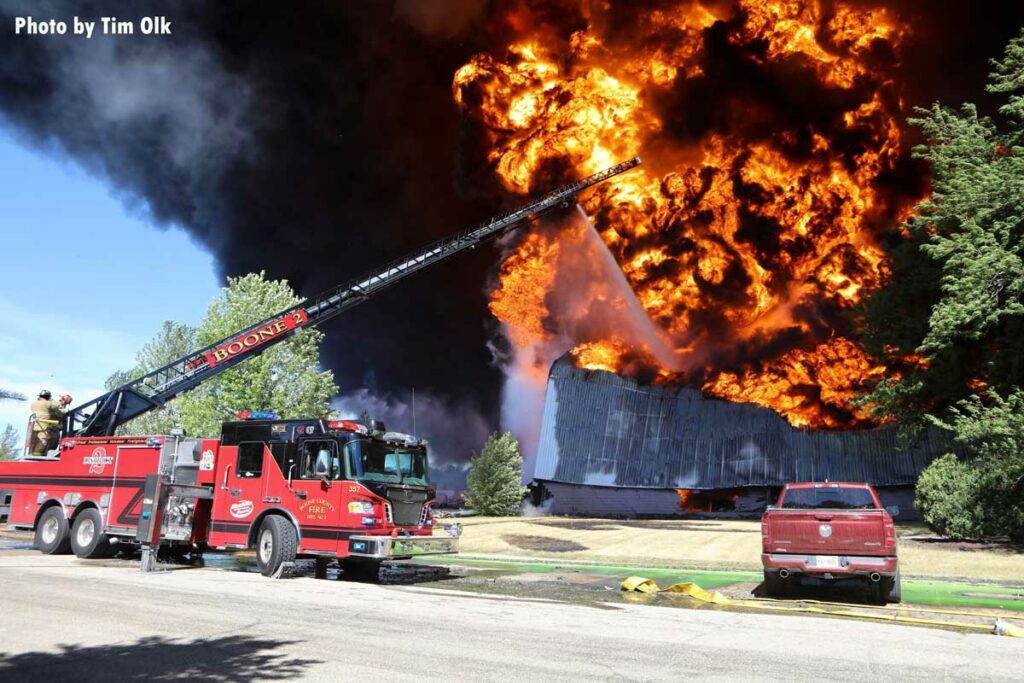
<point>769,133</point>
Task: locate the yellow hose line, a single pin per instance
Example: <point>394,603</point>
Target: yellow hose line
<point>927,610</point>
<point>644,585</point>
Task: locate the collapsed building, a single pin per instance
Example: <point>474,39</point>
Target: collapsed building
<point>612,446</point>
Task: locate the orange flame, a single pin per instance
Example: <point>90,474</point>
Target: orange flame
<point>744,237</point>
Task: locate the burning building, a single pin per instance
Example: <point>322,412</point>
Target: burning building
<point>720,281</point>
<point>610,445</point>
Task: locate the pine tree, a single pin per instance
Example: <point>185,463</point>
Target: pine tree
<point>10,443</point>
<point>493,486</point>
<point>957,302</point>
<point>957,296</point>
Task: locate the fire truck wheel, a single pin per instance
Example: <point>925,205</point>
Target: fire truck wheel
<point>52,535</point>
<point>276,544</point>
<point>87,538</point>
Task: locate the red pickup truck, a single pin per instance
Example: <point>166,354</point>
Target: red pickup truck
<point>828,533</point>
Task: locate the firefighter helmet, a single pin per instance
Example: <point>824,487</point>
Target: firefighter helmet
<point>45,393</point>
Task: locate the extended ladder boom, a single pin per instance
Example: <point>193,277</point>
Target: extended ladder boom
<point>102,415</point>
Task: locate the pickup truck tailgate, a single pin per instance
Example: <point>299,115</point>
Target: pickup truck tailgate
<point>835,532</point>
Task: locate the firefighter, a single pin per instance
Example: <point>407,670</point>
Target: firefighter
<point>46,417</point>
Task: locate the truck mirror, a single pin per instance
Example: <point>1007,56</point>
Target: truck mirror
<point>893,510</point>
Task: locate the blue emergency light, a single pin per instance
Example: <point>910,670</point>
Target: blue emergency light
<point>256,415</point>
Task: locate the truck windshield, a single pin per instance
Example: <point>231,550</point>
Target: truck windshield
<point>390,463</point>
<point>832,498</point>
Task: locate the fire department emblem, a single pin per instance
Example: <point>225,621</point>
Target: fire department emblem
<point>206,462</point>
<point>241,509</point>
<point>825,530</point>
<point>98,461</point>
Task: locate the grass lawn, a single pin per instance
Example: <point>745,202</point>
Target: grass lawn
<point>712,544</point>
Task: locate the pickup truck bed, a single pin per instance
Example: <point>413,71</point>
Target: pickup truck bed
<point>827,533</point>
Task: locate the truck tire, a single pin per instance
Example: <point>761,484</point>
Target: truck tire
<point>889,589</point>
<point>87,538</point>
<point>52,534</point>
<point>775,586</point>
<point>276,543</point>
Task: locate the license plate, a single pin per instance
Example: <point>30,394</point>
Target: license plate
<point>830,561</point>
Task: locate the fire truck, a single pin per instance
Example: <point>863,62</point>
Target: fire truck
<point>309,488</point>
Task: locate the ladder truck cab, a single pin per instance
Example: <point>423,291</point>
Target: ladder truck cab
<point>318,488</point>
<point>287,488</point>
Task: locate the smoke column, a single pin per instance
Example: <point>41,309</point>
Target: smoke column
<point>317,140</point>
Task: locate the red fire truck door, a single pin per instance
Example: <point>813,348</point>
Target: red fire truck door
<point>319,495</point>
<point>241,484</point>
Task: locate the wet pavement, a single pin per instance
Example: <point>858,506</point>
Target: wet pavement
<point>596,587</point>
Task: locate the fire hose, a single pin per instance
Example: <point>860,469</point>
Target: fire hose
<point>1001,627</point>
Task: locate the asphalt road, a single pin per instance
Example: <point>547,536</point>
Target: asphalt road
<point>70,620</point>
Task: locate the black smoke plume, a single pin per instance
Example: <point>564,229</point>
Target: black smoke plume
<point>316,140</point>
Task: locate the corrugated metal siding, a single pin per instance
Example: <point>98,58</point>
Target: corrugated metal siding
<point>568,499</point>
<point>608,501</point>
<point>602,429</point>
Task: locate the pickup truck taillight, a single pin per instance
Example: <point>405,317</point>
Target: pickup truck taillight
<point>765,534</point>
<point>890,532</point>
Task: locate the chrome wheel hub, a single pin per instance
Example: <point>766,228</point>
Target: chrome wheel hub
<point>86,533</point>
<point>49,532</point>
<point>266,548</point>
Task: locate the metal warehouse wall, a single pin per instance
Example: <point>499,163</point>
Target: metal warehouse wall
<point>612,501</point>
<point>605,430</point>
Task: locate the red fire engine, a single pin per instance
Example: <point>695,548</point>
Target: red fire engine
<point>288,488</point>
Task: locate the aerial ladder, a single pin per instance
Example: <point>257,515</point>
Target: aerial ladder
<point>104,414</point>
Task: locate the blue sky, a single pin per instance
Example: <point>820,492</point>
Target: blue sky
<point>84,281</point>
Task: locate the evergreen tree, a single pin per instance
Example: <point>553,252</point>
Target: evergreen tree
<point>10,443</point>
<point>957,298</point>
<point>493,486</point>
<point>957,303</point>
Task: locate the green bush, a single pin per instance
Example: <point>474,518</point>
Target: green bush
<point>494,486</point>
<point>982,498</point>
<point>947,495</point>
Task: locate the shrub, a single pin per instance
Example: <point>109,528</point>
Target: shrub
<point>984,497</point>
<point>494,486</point>
<point>946,498</point>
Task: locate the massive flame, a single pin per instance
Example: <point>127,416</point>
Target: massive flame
<point>769,132</point>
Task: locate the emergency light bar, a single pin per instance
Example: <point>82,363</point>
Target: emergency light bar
<point>399,437</point>
<point>348,426</point>
<point>256,415</point>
